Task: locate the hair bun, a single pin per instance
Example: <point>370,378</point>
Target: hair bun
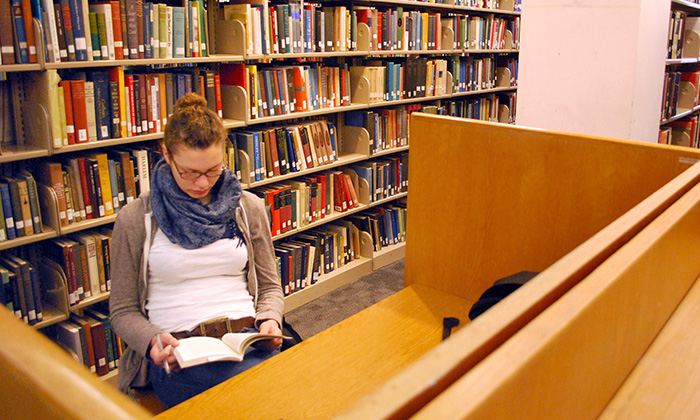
<point>190,100</point>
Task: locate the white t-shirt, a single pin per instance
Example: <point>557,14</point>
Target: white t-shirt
<point>189,286</point>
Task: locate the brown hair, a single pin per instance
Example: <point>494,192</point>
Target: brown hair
<point>193,124</point>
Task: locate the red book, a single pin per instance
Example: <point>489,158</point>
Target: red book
<point>129,84</point>
<point>217,88</point>
<point>324,206</point>
<point>299,89</point>
<point>84,186</point>
<point>339,201</point>
<point>276,89</point>
<point>352,193</point>
<point>117,29</point>
<point>29,29</point>
<point>271,138</point>
<point>77,88</point>
<point>68,104</point>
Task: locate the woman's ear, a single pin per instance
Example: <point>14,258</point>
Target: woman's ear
<point>166,155</point>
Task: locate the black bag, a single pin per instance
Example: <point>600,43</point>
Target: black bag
<point>289,331</point>
<point>500,289</point>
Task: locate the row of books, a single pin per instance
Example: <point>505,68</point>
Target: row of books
<point>304,258</point>
<point>89,339</point>
<point>400,30</point>
<point>288,89</point>
<point>20,210</point>
<point>486,4</point>
<point>392,81</point>
<point>98,184</point>
<point>386,176</point>
<point>296,203</point>
<point>20,292</point>
<point>679,24</point>
<point>387,128</point>
<point>289,28</point>
<point>76,30</point>
<point>485,108</point>
<point>470,74</point>
<point>83,259</point>
<point>100,105</point>
<point>683,132</point>
<point>677,83</point>
<point>275,151</point>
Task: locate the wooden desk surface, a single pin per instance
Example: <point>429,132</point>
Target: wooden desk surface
<point>324,374</point>
<point>665,384</point>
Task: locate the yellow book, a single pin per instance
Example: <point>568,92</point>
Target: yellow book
<point>424,37</point>
<point>105,182</point>
<point>54,111</point>
<point>62,118</point>
<point>252,71</point>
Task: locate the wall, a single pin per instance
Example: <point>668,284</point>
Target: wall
<point>593,66</point>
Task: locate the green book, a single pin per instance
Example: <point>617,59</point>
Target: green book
<point>178,32</point>
<point>95,37</point>
<point>102,32</point>
<point>33,200</point>
<point>163,30</point>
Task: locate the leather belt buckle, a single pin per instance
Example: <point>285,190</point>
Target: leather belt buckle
<point>215,327</point>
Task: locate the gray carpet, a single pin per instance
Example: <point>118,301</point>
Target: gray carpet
<point>328,310</point>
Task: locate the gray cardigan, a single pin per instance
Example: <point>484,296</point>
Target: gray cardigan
<point>133,234</point>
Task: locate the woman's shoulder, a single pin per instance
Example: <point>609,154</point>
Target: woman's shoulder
<point>135,210</point>
<point>250,200</point>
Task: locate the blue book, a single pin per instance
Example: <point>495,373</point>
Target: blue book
<point>114,183</point>
<point>331,132</point>
<point>80,30</point>
<point>313,85</point>
<point>36,291</point>
<point>7,209</point>
<point>147,30</point>
<point>307,31</point>
<point>103,105</point>
<point>291,150</point>
<point>269,85</point>
<point>258,161</point>
<point>22,52</point>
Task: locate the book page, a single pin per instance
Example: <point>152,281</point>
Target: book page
<point>196,350</point>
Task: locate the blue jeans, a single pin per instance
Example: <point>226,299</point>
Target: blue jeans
<point>188,382</point>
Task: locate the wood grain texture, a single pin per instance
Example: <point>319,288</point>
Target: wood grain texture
<point>38,380</point>
<point>569,361</point>
<point>322,375</point>
<point>665,384</point>
<point>516,198</point>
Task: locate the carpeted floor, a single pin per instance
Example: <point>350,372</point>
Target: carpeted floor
<point>328,310</point>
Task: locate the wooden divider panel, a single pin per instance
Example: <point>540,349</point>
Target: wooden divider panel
<point>489,200</point>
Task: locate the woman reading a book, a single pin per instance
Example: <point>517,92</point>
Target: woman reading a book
<point>193,257</point>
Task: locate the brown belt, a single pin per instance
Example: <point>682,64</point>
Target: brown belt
<point>216,327</point>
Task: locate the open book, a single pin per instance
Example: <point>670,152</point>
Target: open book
<point>194,351</point>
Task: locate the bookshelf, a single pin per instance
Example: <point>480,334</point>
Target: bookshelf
<point>679,113</point>
<point>35,137</point>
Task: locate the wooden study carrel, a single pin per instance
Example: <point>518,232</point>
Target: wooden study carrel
<point>485,201</point>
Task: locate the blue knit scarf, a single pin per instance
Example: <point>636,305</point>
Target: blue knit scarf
<point>185,220</point>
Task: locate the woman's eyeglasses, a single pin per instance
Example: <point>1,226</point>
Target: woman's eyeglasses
<point>193,175</point>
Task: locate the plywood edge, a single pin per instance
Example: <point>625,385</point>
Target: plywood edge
<point>422,381</point>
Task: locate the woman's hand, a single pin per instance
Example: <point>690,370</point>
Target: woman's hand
<point>270,326</point>
<point>160,356</point>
